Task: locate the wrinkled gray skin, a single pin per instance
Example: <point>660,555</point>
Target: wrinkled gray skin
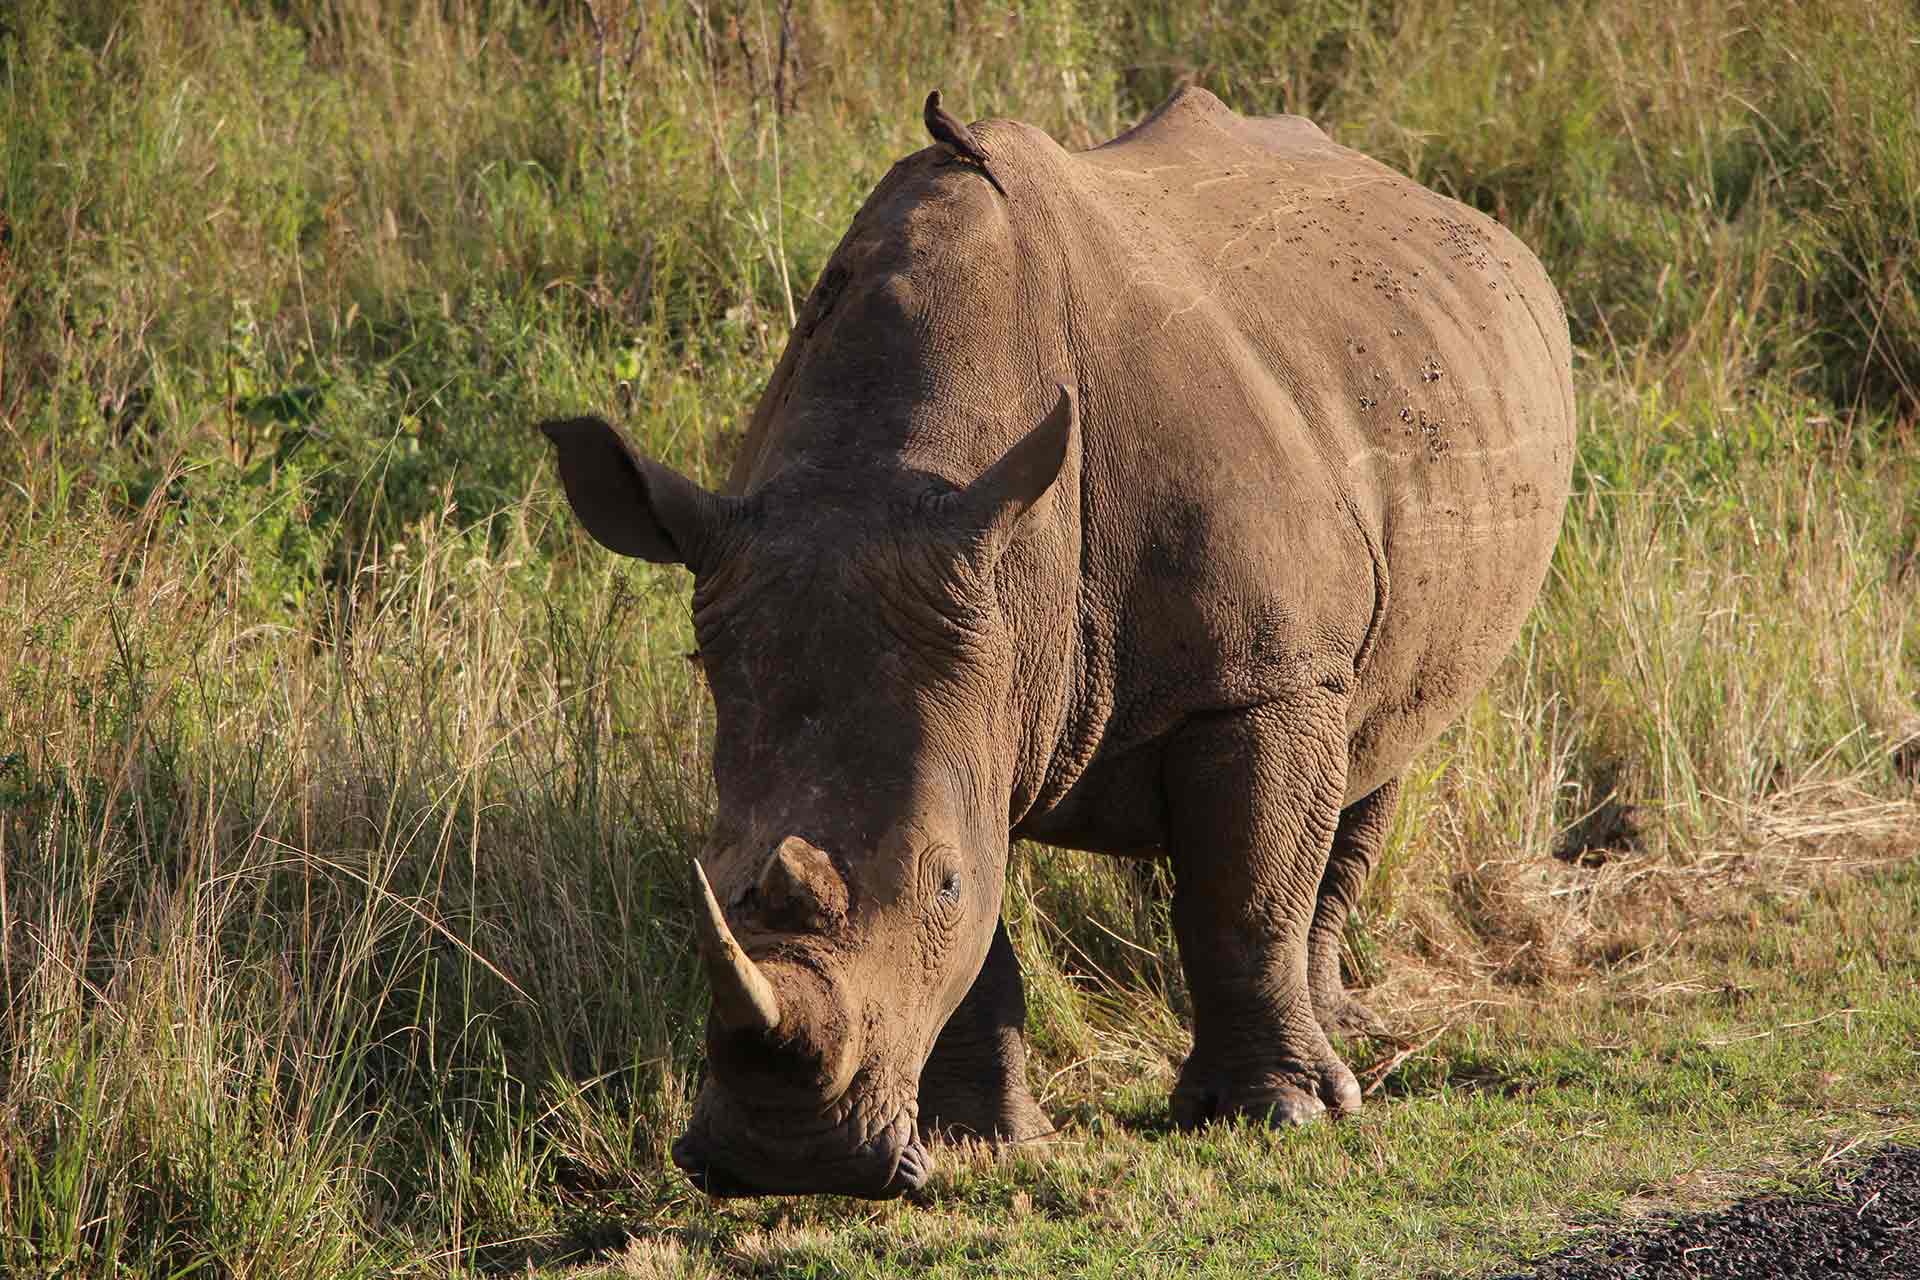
<point>1206,608</point>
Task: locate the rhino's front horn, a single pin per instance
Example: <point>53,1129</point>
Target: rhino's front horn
<point>742,996</point>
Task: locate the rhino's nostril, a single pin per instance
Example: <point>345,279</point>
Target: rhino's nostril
<point>691,1158</point>
<point>703,1173</point>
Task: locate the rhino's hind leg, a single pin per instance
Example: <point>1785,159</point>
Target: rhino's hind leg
<point>1356,847</point>
<point>1253,799</point>
<point>975,1081</point>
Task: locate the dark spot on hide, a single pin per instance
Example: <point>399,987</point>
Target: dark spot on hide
<point>1179,545</point>
<point>825,295</point>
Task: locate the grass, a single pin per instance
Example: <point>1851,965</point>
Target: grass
<point>344,793</point>
<point>1789,1041</point>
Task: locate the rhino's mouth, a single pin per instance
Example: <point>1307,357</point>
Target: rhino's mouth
<point>735,1150</point>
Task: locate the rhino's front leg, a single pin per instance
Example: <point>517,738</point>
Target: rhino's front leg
<point>1356,847</point>
<point>975,1081</point>
<point>1253,798</point>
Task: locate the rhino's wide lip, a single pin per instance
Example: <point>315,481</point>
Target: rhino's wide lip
<point>746,1159</point>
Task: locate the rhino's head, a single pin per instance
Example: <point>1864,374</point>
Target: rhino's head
<point>862,672</point>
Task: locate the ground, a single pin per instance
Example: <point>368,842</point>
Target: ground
<point>1754,1052</point>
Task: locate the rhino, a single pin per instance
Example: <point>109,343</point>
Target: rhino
<point>1164,506</point>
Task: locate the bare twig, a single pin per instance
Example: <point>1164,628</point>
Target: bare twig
<point>599,53</point>
<point>1376,1075</point>
<point>1721,1042</point>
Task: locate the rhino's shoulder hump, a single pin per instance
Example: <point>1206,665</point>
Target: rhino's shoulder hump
<point>1192,116</point>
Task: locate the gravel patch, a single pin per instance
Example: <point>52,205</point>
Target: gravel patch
<point>1863,1223</point>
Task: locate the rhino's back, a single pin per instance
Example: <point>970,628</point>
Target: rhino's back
<point>1340,427</point>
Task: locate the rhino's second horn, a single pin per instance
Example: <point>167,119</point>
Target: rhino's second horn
<point>800,889</point>
<point>742,996</point>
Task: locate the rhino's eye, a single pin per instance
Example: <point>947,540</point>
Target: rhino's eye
<point>940,875</point>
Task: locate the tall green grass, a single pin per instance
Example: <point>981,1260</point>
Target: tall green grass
<point>344,793</point>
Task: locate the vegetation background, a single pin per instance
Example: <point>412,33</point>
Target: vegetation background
<point>346,790</point>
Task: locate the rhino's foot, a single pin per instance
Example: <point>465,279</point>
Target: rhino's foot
<point>1342,1015</point>
<point>1297,1096</point>
<point>1002,1112</point>
<point>975,1082</point>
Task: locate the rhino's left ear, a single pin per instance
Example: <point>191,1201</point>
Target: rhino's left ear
<point>631,504</point>
<point>990,508</point>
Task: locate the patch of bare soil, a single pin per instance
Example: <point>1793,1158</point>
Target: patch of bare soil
<point>1863,1223</point>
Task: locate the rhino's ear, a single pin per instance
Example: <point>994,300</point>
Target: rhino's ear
<point>630,504</point>
<point>990,508</point>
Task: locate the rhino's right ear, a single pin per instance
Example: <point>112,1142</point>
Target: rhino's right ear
<point>630,504</point>
<point>990,508</point>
